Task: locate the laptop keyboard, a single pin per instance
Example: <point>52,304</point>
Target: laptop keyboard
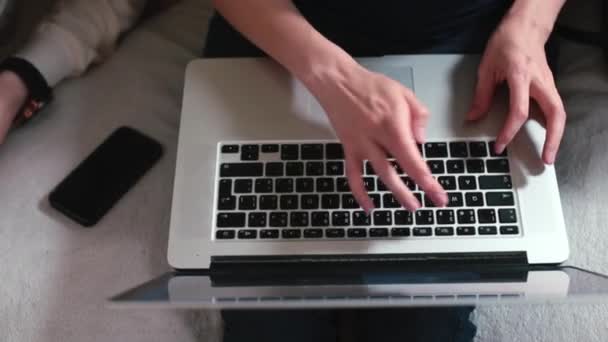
<point>298,191</point>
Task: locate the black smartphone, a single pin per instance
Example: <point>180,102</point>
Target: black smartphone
<point>95,186</point>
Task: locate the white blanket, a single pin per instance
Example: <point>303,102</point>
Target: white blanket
<point>56,275</point>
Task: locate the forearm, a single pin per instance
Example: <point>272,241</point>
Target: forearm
<point>278,28</point>
<point>538,15</point>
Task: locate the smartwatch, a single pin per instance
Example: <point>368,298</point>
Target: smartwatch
<point>39,92</point>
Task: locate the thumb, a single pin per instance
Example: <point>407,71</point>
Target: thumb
<point>419,117</point>
<point>484,92</point>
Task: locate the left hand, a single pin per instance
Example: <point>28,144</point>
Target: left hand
<point>516,55</point>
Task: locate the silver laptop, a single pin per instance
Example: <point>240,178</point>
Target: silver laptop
<point>260,193</point>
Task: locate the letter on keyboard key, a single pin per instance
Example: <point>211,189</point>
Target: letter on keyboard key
<point>447,182</point>
<point>334,168</point>
<point>248,202</point>
<point>325,185</point>
<point>467,183</point>
<point>257,220</point>
<point>455,199</point>
<point>507,215</point>
<point>225,187</point>
<point>230,220</point>
<point>466,216</point>
<point>500,199</point>
<point>268,202</point>
<point>390,201</point>
<point>278,219</point>
<point>403,218</point>
<point>349,202</point>
<point>241,170</point>
<point>330,201</point>
<point>436,166</point>
<point>424,217</point>
<point>250,152</point>
<point>340,218</point>
<point>319,219</point>
<point>305,185</point>
<point>445,217</point>
<point>383,218</point>
<point>263,185</point>
<point>310,201</point>
<point>495,182</point>
<point>360,218</point>
<point>226,203</point>
<point>299,219</point>
<point>289,202</point>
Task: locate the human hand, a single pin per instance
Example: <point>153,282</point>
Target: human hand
<point>374,115</point>
<point>13,94</point>
<point>515,54</point>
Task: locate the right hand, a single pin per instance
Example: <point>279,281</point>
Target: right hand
<point>374,115</point>
<point>13,94</point>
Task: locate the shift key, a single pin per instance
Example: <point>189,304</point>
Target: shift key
<point>241,170</point>
<point>499,199</point>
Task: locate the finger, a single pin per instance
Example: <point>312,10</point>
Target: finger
<point>419,116</point>
<point>390,178</point>
<point>519,108</point>
<point>354,171</point>
<point>5,125</point>
<point>552,106</point>
<point>484,93</point>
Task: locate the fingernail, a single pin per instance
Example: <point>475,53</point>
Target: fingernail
<point>499,148</point>
<point>550,157</point>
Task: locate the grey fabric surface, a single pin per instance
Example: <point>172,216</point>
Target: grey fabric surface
<point>56,275</point>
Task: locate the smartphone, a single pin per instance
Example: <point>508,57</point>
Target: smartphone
<point>94,187</point>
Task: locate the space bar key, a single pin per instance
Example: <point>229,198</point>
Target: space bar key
<point>241,170</point>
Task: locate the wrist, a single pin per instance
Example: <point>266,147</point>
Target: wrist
<point>13,85</point>
<point>534,19</point>
<point>320,72</point>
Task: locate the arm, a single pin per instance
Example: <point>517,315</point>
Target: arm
<point>516,55</point>
<point>371,114</point>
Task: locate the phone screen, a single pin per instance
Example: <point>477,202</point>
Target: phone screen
<point>93,188</point>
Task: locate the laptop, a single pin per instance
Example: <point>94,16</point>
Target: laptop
<point>263,217</point>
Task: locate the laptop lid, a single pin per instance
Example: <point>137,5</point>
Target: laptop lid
<point>361,286</point>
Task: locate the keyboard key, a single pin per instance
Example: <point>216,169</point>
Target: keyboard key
<point>478,149</point>
<point>500,199</point>
<point>334,151</point>
<point>466,216</point>
<point>291,233</point>
<point>493,149</point>
<point>495,182</point>
<point>340,218</point>
<point>369,170</point>
<point>380,185</point>
<point>376,200</point>
<point>268,202</point>
<point>447,182</point>
<point>269,234</point>
<point>497,165</point>
<point>390,201</point>
<point>298,219</point>
<point>274,169</point>
<point>486,216</point>
<point>403,218</point>
<point>458,150</point>
<point>349,202</point>
<point>334,168</point>
<point>487,230</point>
<point>294,169</point>
<point>314,169</point>
<point>284,185</point>
<point>455,166</point>
<point>225,188</point>
<point>330,201</point>
<point>263,185</point>
<point>396,167</point>
<point>312,151</point>
<point>248,202</point>
<point>342,184</point>
<point>278,219</point>
<point>378,232</point>
<point>475,166</point>
<point>325,185</point>
<point>444,231</point>
<point>507,215</point>
<point>436,166</point>
<point>334,233</point>
<point>225,234</point>
<point>383,218</point>
<point>241,170</point>
<point>319,219</point>
<point>368,182</point>
<point>399,232</point>
<point>436,150</point>
<point>257,220</point>
<point>360,218</point>
<point>230,149</point>
<point>467,183</point>
<point>445,217</point>
<point>424,217</point>
<point>305,185</point>
<point>230,220</point>
<point>290,152</point>
<point>467,230</point>
<point>428,203</point>
<point>474,199</point>
<point>423,231</point>
<point>248,234</point>
<point>250,152</point>
<point>288,202</point>
<point>408,182</point>
<point>455,199</point>
<point>357,233</point>
<point>418,197</point>
<point>226,203</point>
<point>509,230</point>
<point>270,148</point>
<point>310,201</point>
<point>243,186</point>
<point>313,233</point>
